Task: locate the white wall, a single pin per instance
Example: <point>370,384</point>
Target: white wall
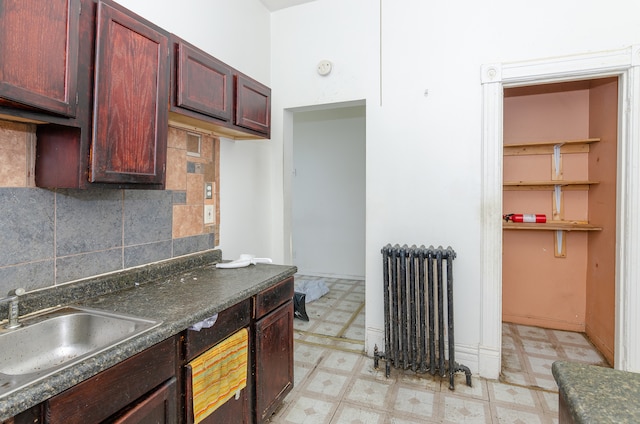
<point>329,192</point>
<point>423,151</point>
<point>236,32</point>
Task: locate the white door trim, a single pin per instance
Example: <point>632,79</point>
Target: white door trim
<point>624,63</point>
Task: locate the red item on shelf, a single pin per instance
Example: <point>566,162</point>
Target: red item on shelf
<point>525,217</point>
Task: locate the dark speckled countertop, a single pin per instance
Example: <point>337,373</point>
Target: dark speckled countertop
<point>179,294</point>
<point>598,395</point>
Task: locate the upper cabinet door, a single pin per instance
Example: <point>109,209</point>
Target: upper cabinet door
<point>131,91</point>
<point>253,105</point>
<point>39,54</point>
<point>204,84</point>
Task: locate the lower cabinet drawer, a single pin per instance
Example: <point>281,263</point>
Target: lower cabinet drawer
<point>271,298</point>
<point>228,322</point>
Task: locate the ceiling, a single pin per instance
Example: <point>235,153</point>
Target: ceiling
<point>274,5</point>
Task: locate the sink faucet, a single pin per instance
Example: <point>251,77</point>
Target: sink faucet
<point>12,299</point>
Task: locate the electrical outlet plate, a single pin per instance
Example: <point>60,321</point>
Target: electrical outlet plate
<point>208,214</point>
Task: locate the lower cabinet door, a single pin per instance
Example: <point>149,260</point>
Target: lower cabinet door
<point>160,407</point>
<point>233,411</point>
<point>274,360</point>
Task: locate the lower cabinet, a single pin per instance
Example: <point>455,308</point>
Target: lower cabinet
<point>269,318</point>
<point>274,360</point>
<point>157,407</point>
<point>155,387</point>
<point>196,343</point>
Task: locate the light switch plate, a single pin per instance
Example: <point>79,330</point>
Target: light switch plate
<point>208,214</point>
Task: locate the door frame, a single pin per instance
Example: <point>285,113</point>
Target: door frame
<point>624,64</point>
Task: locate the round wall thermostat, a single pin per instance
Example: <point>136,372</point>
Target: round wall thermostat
<point>324,67</point>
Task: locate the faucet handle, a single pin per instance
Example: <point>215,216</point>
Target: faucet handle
<point>17,292</point>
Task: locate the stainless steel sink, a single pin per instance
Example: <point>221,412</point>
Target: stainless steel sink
<point>59,338</point>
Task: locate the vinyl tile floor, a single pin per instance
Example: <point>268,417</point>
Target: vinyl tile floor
<point>334,382</point>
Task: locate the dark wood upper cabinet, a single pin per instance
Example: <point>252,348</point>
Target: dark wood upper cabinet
<point>39,55</point>
<point>131,90</point>
<point>210,94</point>
<point>203,83</point>
<point>253,105</point>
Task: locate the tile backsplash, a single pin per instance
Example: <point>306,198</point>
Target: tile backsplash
<point>50,237</point>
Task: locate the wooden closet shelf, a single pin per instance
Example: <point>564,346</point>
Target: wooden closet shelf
<point>548,185</point>
<point>546,147</point>
<point>551,226</point>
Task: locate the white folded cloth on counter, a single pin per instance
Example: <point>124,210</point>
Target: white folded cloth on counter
<point>244,260</point>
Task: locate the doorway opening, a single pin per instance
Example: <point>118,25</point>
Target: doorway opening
<point>559,165</point>
<point>325,154</point>
<point>620,66</point>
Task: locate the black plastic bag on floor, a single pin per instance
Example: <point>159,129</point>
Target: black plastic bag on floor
<point>299,306</point>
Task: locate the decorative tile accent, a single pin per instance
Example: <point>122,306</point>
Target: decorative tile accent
<point>194,168</point>
<point>179,197</point>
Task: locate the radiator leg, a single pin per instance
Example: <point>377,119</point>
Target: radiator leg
<point>375,357</point>
<point>459,368</point>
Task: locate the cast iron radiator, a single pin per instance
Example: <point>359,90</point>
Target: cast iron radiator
<point>415,311</point>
